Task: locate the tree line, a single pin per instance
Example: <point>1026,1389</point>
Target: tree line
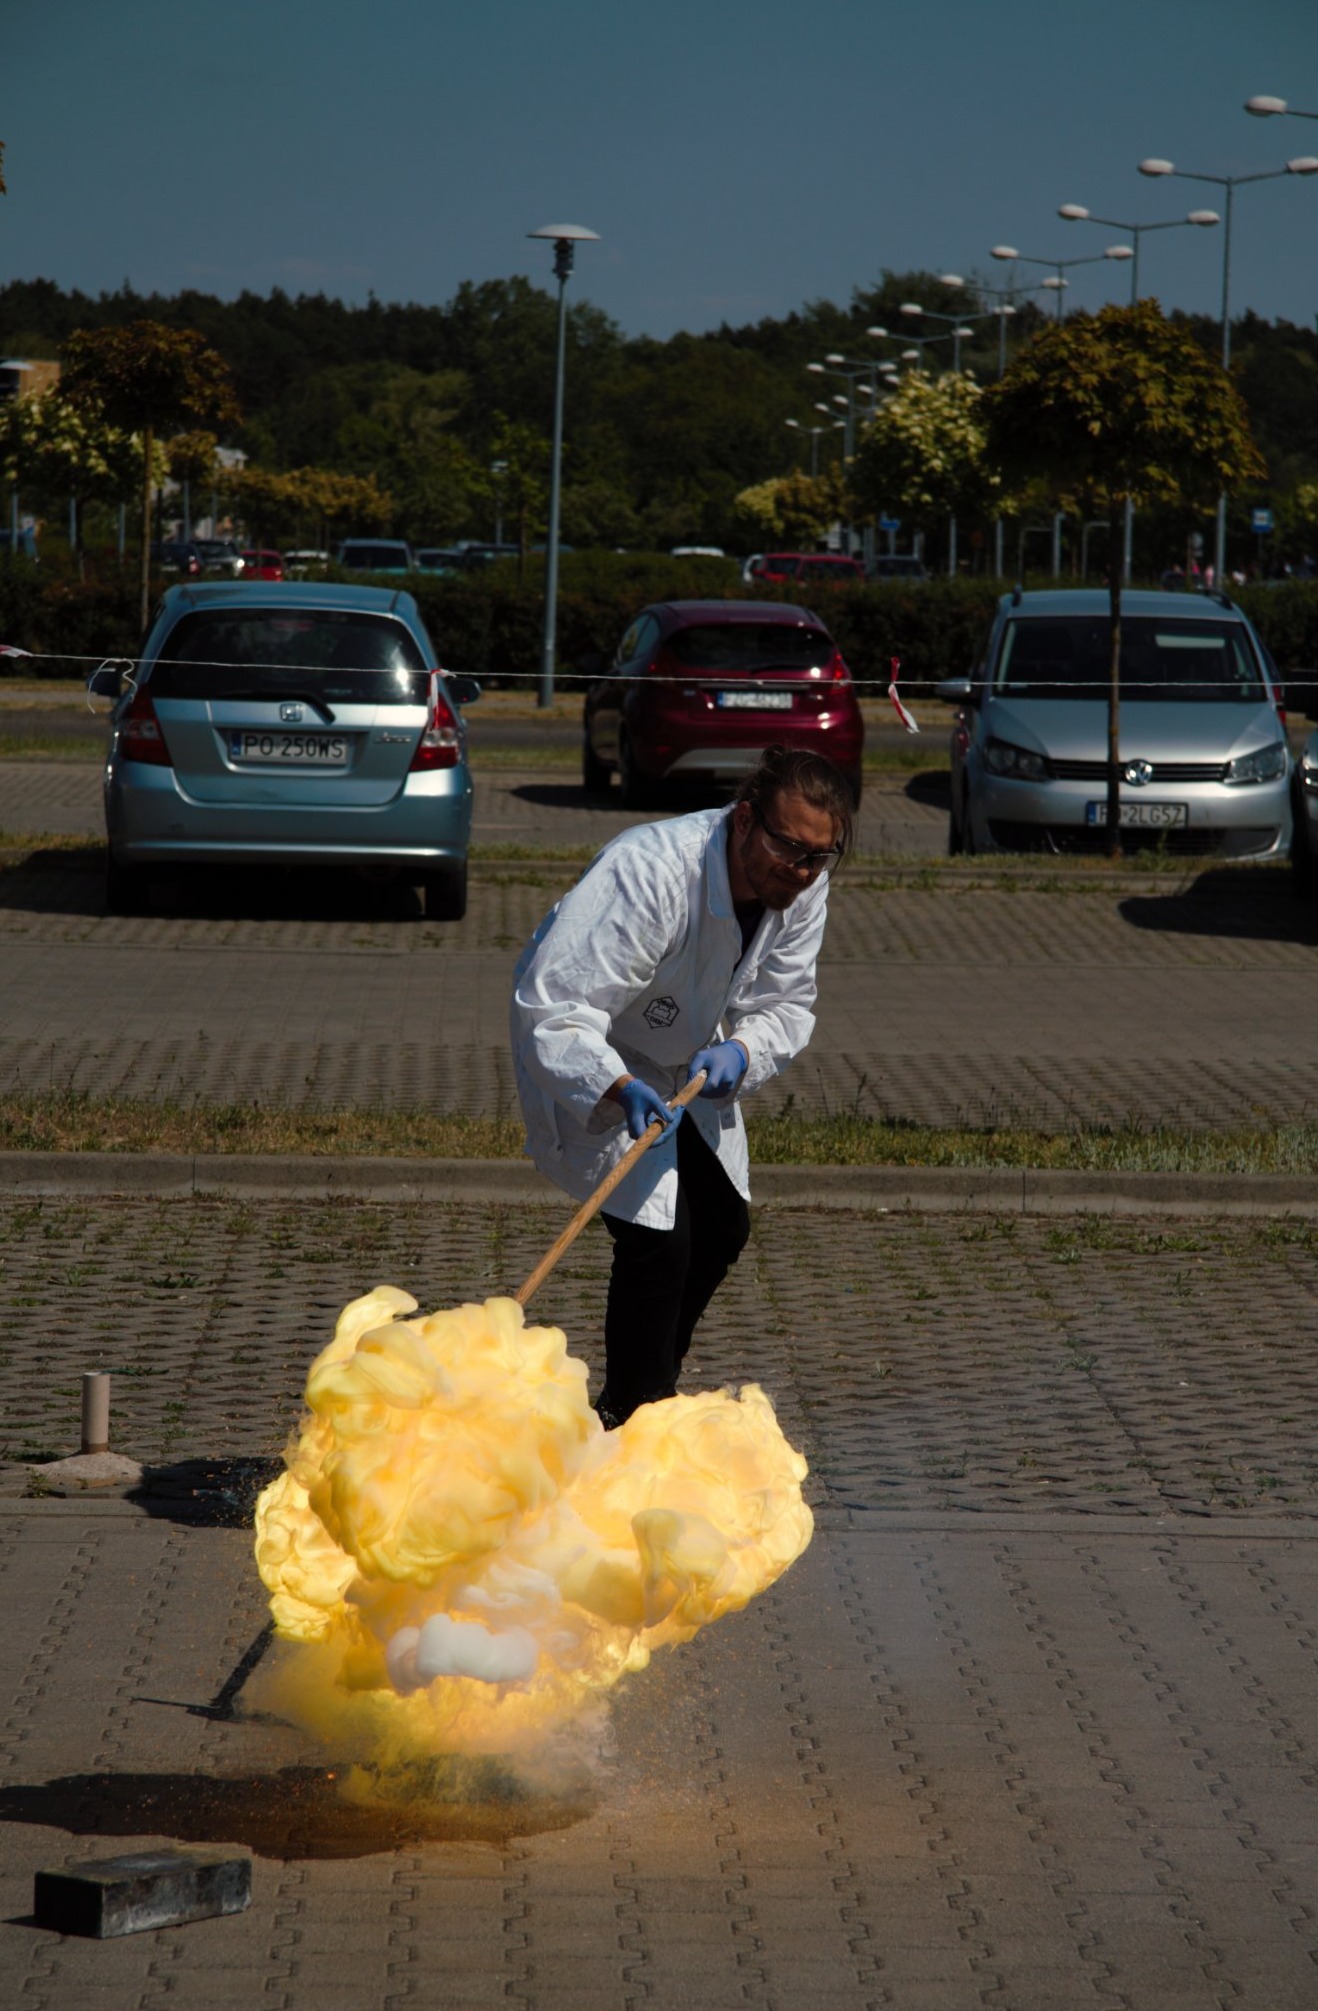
<point>442,414</point>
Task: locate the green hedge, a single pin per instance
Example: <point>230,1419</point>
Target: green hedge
<point>491,627</point>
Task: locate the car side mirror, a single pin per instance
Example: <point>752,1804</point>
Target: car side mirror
<point>955,690</point>
<point>106,681</point>
<point>462,690</point>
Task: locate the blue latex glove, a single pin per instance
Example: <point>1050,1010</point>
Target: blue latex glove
<point>725,1064</point>
<point>641,1105</point>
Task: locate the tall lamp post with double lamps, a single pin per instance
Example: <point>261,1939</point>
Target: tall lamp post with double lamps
<point>812,433</point>
<point>1305,164</point>
<point>1075,212</point>
<point>566,238</point>
<point>1057,268</point>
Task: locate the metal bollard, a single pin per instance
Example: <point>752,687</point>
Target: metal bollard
<point>96,1411</point>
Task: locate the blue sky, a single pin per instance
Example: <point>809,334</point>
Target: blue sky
<point>736,159</point>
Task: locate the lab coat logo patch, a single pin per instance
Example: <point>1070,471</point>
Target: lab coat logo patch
<point>661,1013</point>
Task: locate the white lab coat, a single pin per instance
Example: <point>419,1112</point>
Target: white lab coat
<point>632,972</point>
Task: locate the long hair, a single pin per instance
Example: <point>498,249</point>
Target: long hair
<point>823,786</point>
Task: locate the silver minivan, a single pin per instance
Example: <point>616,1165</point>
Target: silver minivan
<point>1205,764</point>
<point>277,723</point>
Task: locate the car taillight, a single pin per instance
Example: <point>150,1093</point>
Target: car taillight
<point>141,737</point>
<point>1279,700</point>
<point>837,669</point>
<point>440,746</point>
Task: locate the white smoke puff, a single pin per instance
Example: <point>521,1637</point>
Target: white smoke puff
<point>445,1647</point>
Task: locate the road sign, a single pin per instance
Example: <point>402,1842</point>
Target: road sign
<point>890,523</point>
<point>1260,520</point>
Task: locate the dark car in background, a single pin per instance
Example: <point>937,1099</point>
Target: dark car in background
<point>219,557</point>
<point>177,555</point>
<point>280,724</point>
<point>375,555</point>
<point>697,689</point>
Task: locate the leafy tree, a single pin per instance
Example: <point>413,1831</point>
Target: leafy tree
<point>147,378</point>
<point>523,480</point>
<point>275,507</point>
<point>191,457</point>
<point>923,452</point>
<point>796,509</point>
<point>54,448</point>
<point>1116,405</point>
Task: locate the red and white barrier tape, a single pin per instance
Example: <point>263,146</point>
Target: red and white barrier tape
<point>897,706</point>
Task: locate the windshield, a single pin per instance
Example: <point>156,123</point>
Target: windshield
<point>225,653</point>
<point>731,647</point>
<point>1169,660</point>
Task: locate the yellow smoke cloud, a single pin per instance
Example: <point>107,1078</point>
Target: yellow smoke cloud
<point>465,1559</point>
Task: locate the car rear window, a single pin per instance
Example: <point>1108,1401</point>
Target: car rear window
<point>1169,660</point>
<point>254,653</point>
<point>724,647</point>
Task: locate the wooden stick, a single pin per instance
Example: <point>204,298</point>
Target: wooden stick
<point>602,1192</point>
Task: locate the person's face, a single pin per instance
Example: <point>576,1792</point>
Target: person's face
<point>761,849</point>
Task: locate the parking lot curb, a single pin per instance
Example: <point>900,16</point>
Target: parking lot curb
<point>878,1189</point>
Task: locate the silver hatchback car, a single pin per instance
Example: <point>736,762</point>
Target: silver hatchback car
<point>285,724</point>
<point>1205,764</point>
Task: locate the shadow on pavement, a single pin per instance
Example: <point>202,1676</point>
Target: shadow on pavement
<point>73,883</point>
<point>934,787</point>
<point>571,796</point>
<point>1246,902</point>
<point>213,1493</point>
<point>55,883</point>
<point>299,1812</point>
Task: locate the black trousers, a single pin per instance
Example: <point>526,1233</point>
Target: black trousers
<point>663,1279</point>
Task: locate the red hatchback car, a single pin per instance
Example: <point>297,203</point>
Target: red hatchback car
<point>263,565</point>
<point>697,689</point>
<point>823,568</point>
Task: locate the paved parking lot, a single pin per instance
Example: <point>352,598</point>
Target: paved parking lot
<point>1033,1723</point>
<point>1012,994</point>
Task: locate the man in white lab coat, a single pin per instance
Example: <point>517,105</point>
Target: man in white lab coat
<point>687,945</point>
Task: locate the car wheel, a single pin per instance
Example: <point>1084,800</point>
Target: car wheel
<point>595,774</point>
<point>635,790</point>
<point>444,894</point>
<point>126,889</point>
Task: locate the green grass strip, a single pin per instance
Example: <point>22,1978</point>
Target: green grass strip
<point>68,1121</point>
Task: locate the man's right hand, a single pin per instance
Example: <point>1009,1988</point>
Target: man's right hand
<point>641,1105</point>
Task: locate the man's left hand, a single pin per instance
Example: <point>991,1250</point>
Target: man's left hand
<point>724,1066</point>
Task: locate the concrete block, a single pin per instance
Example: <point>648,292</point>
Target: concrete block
<point>108,1896</point>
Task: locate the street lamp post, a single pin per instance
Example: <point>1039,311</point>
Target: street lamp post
<point>566,237</point>
<point>1305,164</point>
<point>1075,212</point>
<point>837,365</point>
<point>813,433</point>
<point>1058,267</point>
